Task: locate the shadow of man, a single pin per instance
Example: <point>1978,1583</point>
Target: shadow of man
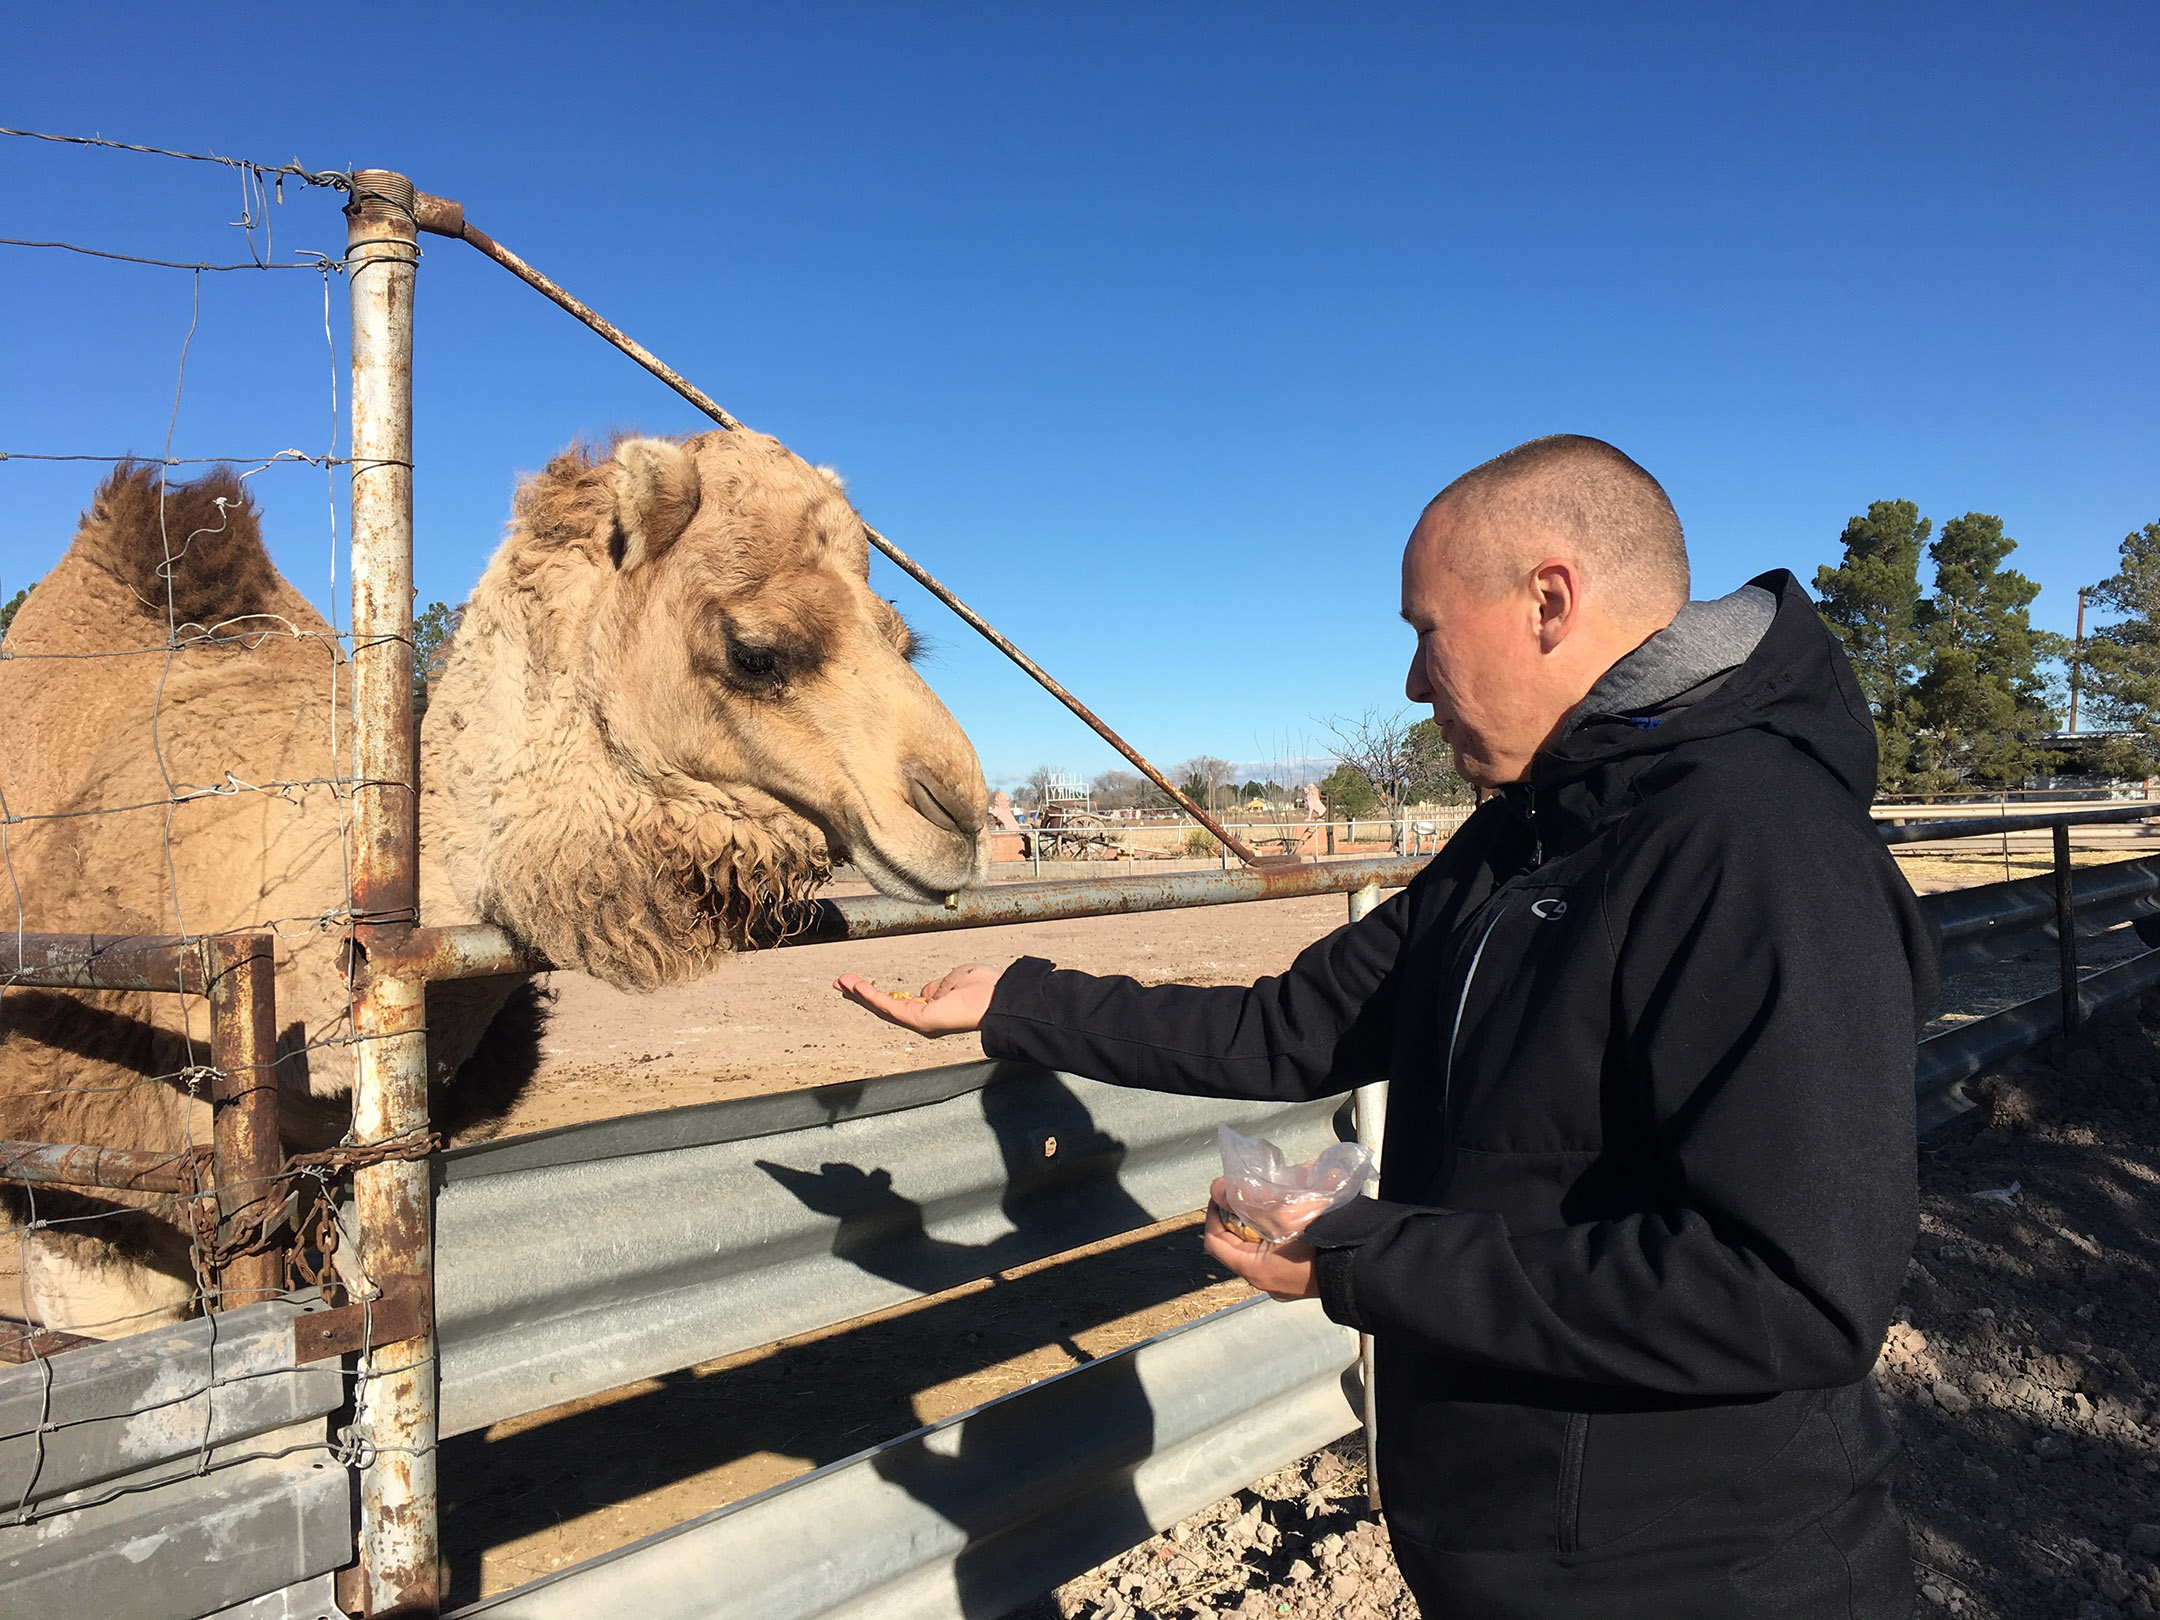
<point>1061,1190</point>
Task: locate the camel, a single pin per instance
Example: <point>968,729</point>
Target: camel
<point>672,705</point>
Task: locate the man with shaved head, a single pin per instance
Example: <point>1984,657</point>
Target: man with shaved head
<point>1648,1018</point>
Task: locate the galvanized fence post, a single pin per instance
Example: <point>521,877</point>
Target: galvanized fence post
<point>2066,933</point>
<point>1370,1109</point>
<point>396,1399</point>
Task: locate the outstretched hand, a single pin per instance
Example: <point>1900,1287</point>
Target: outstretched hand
<point>953,1005</point>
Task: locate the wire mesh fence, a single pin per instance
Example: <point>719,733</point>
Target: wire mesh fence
<point>176,799</point>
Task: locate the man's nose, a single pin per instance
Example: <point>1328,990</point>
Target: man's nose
<point>1415,686</point>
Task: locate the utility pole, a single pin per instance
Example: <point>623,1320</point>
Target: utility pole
<point>2077,661</point>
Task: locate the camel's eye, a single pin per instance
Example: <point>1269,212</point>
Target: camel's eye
<point>753,663</point>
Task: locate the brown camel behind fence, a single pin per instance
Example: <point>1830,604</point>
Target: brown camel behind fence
<point>672,704</point>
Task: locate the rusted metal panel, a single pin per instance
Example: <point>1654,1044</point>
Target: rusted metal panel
<point>61,1164</point>
<point>397,1394</point>
<point>22,1341</point>
<point>401,1313</point>
<point>244,1112</point>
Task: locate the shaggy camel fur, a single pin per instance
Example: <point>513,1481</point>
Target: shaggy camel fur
<point>672,704</point>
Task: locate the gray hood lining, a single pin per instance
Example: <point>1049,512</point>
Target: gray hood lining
<point>1704,640</point>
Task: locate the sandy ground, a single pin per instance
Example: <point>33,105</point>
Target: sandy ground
<point>772,1022</point>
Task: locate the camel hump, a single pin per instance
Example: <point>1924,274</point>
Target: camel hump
<point>198,545</point>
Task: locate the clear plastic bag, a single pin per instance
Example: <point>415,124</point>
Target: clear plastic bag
<point>1267,1201</point>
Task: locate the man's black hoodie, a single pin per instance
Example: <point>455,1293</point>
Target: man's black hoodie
<point>1648,1187</point>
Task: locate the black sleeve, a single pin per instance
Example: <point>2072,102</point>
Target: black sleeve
<point>1322,1027</point>
<point>1765,996</point>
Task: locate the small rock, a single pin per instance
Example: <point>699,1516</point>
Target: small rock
<point>1299,1573</point>
<point>2095,1609</point>
<point>2144,1540</point>
<point>2019,1389</point>
<point>1345,1586</point>
<point>1265,1535</point>
<point>1949,1397</point>
<point>1934,1593</point>
<point>2052,1447</point>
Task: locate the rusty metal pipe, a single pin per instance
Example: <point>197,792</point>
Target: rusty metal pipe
<point>62,1164</point>
<point>443,217</point>
<point>244,1109</point>
<point>477,951</point>
<point>396,1396</point>
<point>104,962</point>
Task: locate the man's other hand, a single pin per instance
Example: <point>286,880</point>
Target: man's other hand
<point>953,1005</point>
<point>1281,1270</point>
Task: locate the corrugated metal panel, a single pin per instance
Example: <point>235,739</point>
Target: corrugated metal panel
<point>2000,920</point>
<point>254,1523</point>
<point>566,1278</point>
<point>155,1399</point>
<point>969,1517</point>
<point>1956,1056</point>
<point>312,1599</point>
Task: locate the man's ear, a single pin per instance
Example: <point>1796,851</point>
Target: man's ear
<point>1558,588</point>
<point>656,495</point>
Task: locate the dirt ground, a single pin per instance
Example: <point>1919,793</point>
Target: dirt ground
<point>771,1022</point>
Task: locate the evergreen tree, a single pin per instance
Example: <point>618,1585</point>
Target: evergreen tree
<point>13,604</point>
<point>2122,660</point>
<point>1982,693</point>
<point>1871,600</point>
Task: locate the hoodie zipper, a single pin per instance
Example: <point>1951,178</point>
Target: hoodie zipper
<point>1462,1002</point>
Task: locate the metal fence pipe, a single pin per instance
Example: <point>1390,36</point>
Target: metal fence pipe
<point>397,1396</point>
<point>1935,832</point>
<point>476,951</point>
<point>2066,931</point>
<point>1371,1114</point>
<point>169,963</point>
<point>63,1164</point>
<point>244,1110</point>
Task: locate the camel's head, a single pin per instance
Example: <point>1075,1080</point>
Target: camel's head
<point>740,644</point>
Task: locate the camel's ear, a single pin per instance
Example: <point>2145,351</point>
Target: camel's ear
<point>656,495</point>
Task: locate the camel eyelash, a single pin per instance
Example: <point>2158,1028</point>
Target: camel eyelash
<point>754,663</point>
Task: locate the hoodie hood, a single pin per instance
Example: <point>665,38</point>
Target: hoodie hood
<point>1793,682</point>
<point>1683,663</point>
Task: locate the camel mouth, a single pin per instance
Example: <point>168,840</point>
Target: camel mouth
<point>931,849</point>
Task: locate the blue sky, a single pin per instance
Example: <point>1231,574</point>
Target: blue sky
<point>1148,328</point>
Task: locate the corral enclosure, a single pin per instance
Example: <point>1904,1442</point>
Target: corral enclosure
<point>724,1235</point>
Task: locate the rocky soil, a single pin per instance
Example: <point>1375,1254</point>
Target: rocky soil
<point>1299,1542</point>
<point>2023,1373</point>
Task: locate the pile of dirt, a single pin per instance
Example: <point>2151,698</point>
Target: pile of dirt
<point>2023,1373</point>
<point>1299,1542</point>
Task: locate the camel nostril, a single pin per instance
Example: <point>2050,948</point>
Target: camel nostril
<point>935,809</point>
